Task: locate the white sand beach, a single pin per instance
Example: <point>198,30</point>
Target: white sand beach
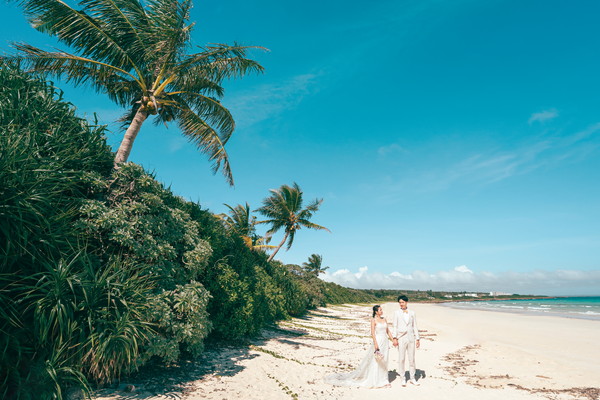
<point>464,354</point>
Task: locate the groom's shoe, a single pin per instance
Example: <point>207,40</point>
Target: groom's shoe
<point>414,382</point>
<point>403,382</point>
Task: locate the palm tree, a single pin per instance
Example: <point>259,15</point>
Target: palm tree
<point>314,265</point>
<point>241,222</point>
<point>135,52</point>
<point>284,210</point>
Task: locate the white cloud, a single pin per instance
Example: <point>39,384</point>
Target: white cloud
<point>463,268</point>
<point>362,271</point>
<point>543,116</point>
<point>390,149</point>
<point>462,278</point>
<point>587,133</point>
<point>494,165</point>
<point>477,169</point>
<point>399,275</point>
<point>267,101</point>
<point>341,272</point>
<point>176,143</point>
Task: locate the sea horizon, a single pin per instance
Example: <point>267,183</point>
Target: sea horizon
<point>580,307</point>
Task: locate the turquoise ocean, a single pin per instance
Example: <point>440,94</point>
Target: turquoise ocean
<point>571,307</point>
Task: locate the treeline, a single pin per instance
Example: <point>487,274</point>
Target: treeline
<point>104,270</point>
<point>389,295</point>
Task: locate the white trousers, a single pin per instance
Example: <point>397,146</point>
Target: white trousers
<point>406,347</point>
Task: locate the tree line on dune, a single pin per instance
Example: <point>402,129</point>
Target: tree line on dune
<point>105,270</point>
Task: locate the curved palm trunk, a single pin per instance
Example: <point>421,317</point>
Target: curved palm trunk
<point>278,247</point>
<point>129,138</point>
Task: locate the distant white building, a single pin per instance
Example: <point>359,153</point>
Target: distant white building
<point>499,294</point>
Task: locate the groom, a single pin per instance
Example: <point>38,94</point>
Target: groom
<point>406,338</point>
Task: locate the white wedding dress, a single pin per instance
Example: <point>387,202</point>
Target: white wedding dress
<point>371,372</point>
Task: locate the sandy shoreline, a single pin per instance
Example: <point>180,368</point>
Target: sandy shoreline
<point>468,354</point>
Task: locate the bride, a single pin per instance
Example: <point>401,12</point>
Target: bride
<point>372,371</point>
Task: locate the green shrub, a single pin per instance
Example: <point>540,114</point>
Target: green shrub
<point>180,314</point>
<point>69,310</point>
<point>48,161</point>
<point>294,300</point>
<point>141,220</point>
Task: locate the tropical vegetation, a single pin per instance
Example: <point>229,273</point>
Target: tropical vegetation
<point>105,271</point>
<point>64,316</point>
<point>314,265</point>
<point>136,53</point>
<point>241,222</point>
<point>283,210</point>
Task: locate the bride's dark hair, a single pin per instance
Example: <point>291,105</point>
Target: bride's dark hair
<point>375,309</point>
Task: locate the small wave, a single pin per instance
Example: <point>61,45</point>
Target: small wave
<point>515,307</point>
<point>589,313</point>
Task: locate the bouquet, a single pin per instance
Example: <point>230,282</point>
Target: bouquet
<point>378,355</point>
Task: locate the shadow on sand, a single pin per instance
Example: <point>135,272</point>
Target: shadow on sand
<point>175,380</point>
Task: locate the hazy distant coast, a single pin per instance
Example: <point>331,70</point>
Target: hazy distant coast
<point>436,296</point>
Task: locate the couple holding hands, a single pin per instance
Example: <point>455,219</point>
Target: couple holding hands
<point>373,369</point>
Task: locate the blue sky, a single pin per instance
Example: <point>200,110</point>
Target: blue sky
<point>456,144</point>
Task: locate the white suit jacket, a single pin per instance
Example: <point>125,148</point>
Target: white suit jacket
<point>401,328</point>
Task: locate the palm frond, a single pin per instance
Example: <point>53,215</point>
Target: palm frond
<point>125,21</point>
<point>195,80</point>
<point>275,226</point>
<point>290,240</point>
<point>211,111</point>
<point>170,31</point>
<point>264,246</point>
<point>207,140</point>
<point>314,205</point>
<point>274,207</point>
<point>293,196</point>
<point>240,220</point>
<point>311,225</point>
<point>221,61</point>
<point>120,85</point>
<point>99,31</point>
